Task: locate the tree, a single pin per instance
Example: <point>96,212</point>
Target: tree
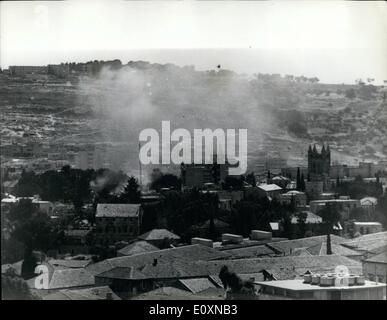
<point>250,179</point>
<point>212,229</point>
<point>248,215</point>
<point>302,182</point>
<point>131,193</point>
<point>235,283</point>
<point>233,183</point>
<point>298,181</point>
<point>287,225</point>
<point>33,229</point>
<point>27,185</point>
<point>330,216</point>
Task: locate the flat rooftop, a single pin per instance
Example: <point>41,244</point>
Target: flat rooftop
<point>299,285</point>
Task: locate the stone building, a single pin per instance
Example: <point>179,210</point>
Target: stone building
<point>117,222</point>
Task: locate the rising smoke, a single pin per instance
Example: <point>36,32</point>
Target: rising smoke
<point>133,98</point>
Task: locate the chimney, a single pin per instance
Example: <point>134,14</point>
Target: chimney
<point>329,245</point>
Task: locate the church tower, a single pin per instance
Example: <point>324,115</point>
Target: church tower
<point>319,165</point>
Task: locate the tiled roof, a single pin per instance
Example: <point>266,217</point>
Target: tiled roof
<point>374,242</point>
<point>196,285</point>
<point>379,258</point>
<point>164,293</point>
<point>288,246</point>
<point>282,267</point>
<point>158,234</point>
<point>285,267</point>
<point>369,201</point>
<point>269,187</point>
<point>218,223</point>
<point>10,184</point>
<point>321,249</point>
<point>251,252</point>
<point>310,218</point>
<point>120,210</point>
<point>300,252</point>
<point>184,254</point>
<point>95,293</point>
<point>136,248</point>
<point>123,273</point>
<point>68,278</point>
<point>172,293</point>
<point>69,263</point>
<point>17,266</point>
<point>245,243</point>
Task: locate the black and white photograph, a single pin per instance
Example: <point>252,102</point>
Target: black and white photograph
<point>193,150</point>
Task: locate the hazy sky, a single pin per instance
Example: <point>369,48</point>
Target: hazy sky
<point>333,40</point>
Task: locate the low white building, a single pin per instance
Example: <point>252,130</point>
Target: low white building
<point>367,227</point>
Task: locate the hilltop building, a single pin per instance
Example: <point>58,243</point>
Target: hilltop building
<point>23,70</point>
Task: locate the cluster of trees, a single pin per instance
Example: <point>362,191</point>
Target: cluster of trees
<point>363,90</point>
<point>181,212</point>
<point>93,67</point>
<point>184,213</point>
<point>28,230</point>
<point>288,77</point>
<point>358,188</point>
<point>234,283</point>
<point>256,212</point>
<point>300,182</point>
<point>237,182</point>
<point>67,185</point>
<point>78,186</point>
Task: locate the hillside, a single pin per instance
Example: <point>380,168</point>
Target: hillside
<point>282,114</point>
